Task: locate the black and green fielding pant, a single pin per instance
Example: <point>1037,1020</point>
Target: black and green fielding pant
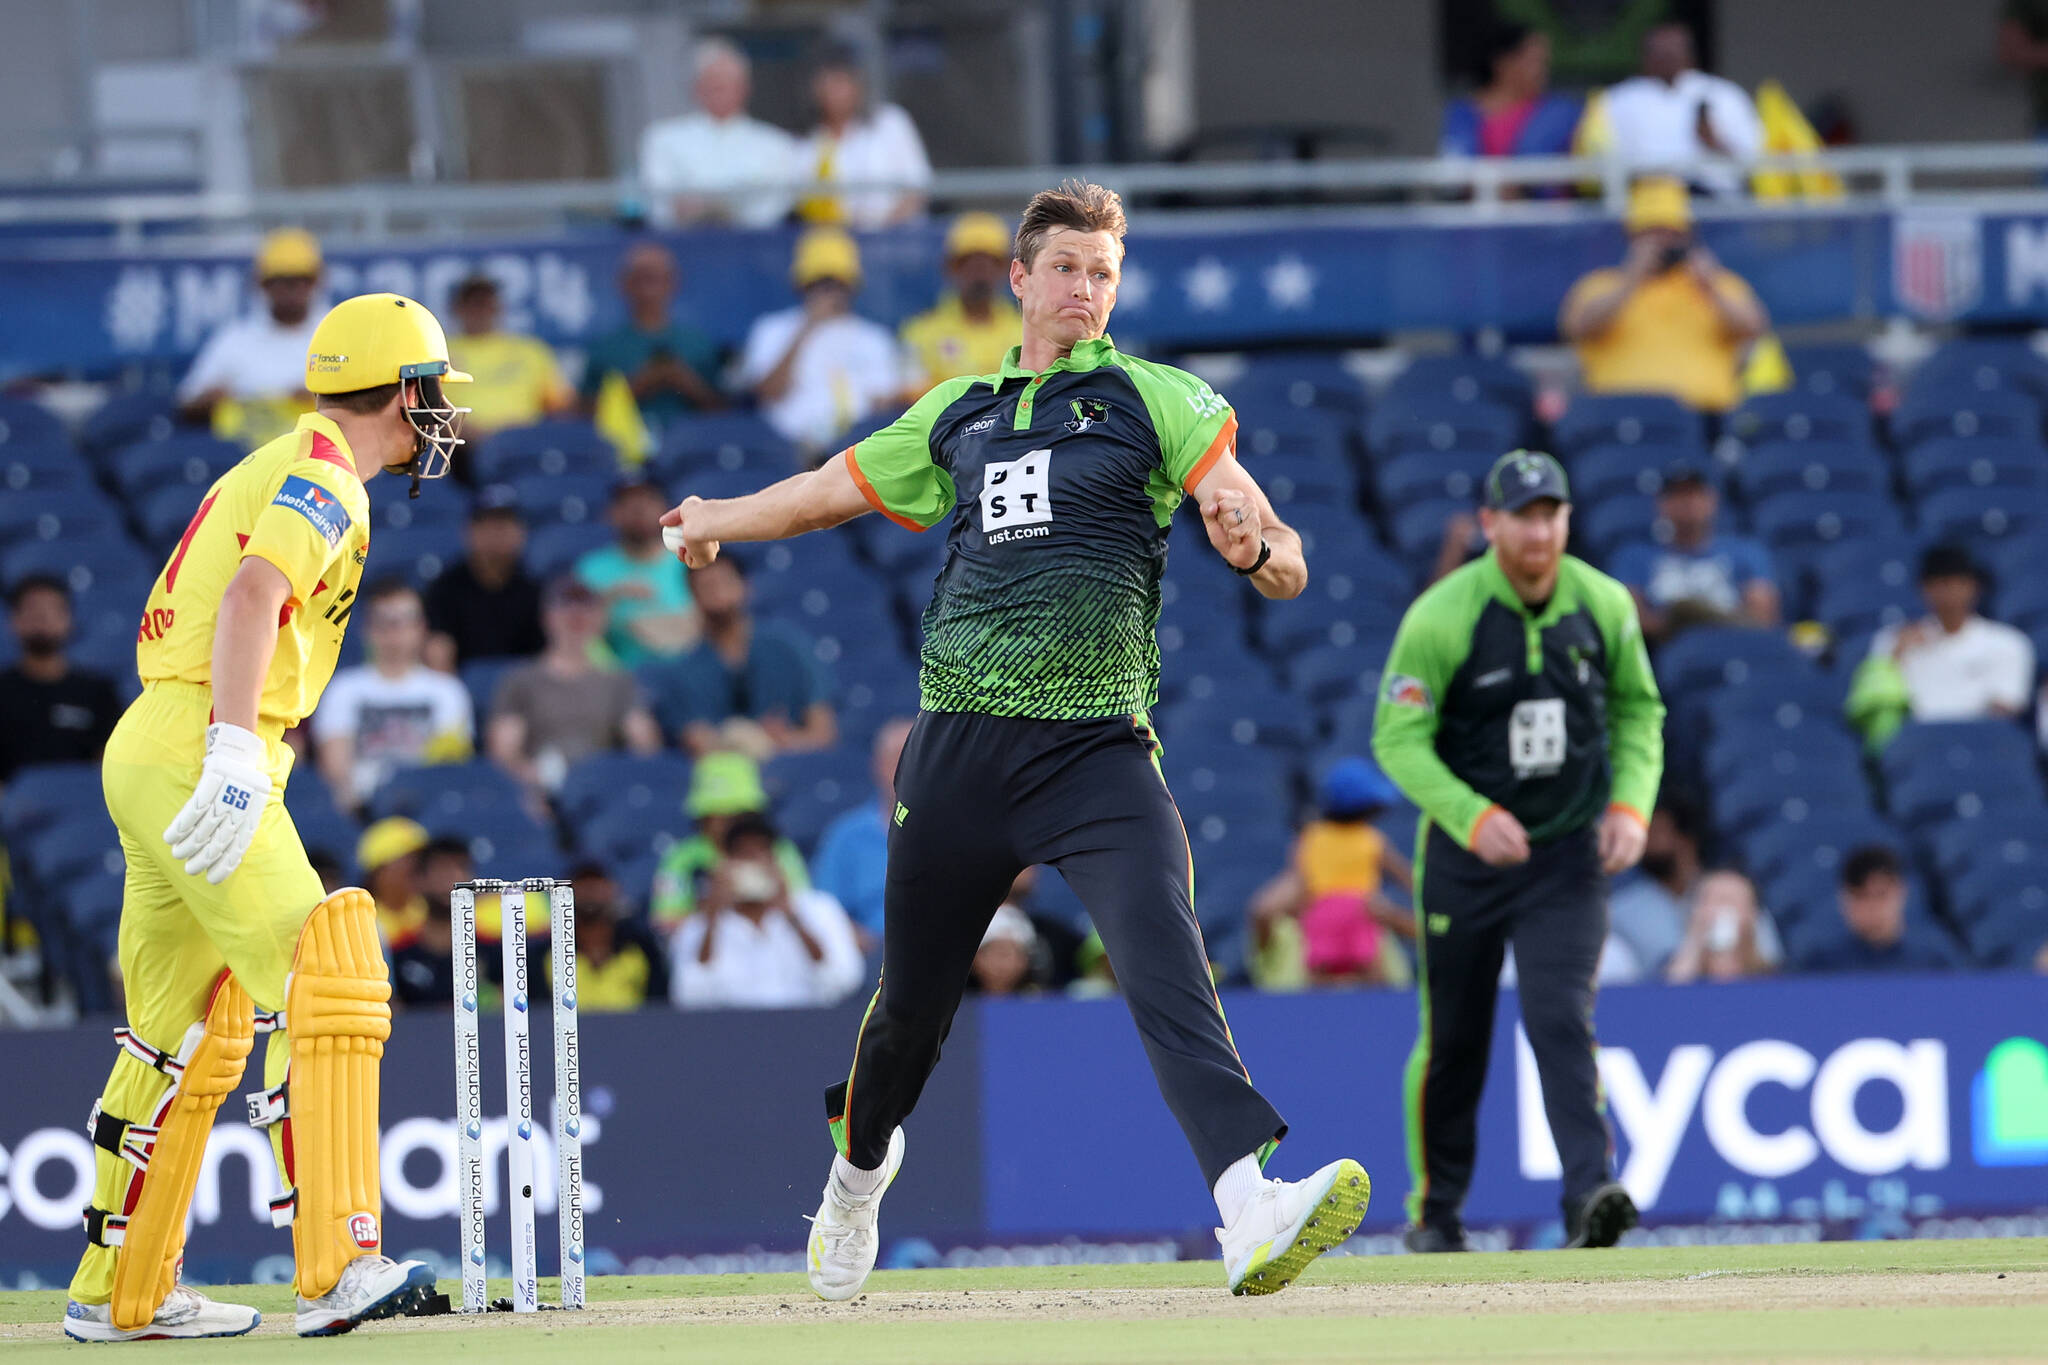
<point>979,799</point>
<point>1553,909</point>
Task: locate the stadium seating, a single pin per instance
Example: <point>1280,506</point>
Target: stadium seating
<point>551,447</point>
<point>1972,514</point>
<point>1627,420</point>
<point>1464,378</point>
<point>1814,466</point>
<point>28,425</point>
<point>553,550</point>
<point>42,469</point>
<point>1947,461</point>
<point>1272,383</point>
<point>1603,471</point>
<point>1397,427</point>
<point>124,420</point>
<point>1425,475</point>
<point>191,458</point>
<point>1798,417</point>
<point>546,499</point>
<point>728,441</point>
<point>1824,369</point>
<point>1930,411</point>
<point>605,783</point>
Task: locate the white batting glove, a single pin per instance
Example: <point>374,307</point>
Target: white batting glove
<point>213,831</point>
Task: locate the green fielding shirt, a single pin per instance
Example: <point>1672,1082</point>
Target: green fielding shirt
<point>1552,716</point>
<point>1057,489</point>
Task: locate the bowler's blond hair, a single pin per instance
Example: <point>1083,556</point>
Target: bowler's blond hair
<point>1072,204</point>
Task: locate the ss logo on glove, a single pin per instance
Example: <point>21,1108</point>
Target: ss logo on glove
<point>236,797</point>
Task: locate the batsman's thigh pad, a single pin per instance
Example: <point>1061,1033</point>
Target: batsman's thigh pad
<point>167,1148</point>
<point>338,1014</point>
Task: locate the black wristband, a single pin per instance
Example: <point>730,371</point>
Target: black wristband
<point>1265,553</point>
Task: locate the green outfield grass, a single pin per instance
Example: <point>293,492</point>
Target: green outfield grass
<point>1979,1300</point>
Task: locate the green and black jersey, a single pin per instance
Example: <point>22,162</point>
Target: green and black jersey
<point>1552,715</point>
<point>1058,488</point>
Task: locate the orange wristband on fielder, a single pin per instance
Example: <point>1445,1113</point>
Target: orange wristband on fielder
<point>1472,835</point>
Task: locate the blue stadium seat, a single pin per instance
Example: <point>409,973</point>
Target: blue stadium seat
<point>1418,528</point>
<point>1351,725</point>
<point>416,554</point>
<point>1327,674</point>
<point>553,550</point>
<point>57,516</point>
<point>1807,941</point>
<point>549,498</point>
<point>1760,796</point>
<point>163,513</point>
<point>1463,378</point>
<point>27,424</point>
<point>1820,841</point>
<point>1201,606</point>
<point>1817,466</point>
<point>1935,794</point>
<point>1734,656</point>
<point>2011,935</point>
<point>450,789</point>
<point>322,827</point>
<point>623,832</point>
<point>1955,746</point>
<point>1998,833</point>
<point>43,469</point>
<point>2023,602</point>
<point>607,781</point>
<point>1315,382</point>
<point>1975,514</point>
<point>1856,607</point>
<point>1974,365</point>
<point>735,440</point>
<point>1417,423</point>
<point>1243,715</point>
<point>41,794</point>
<point>1604,471</point>
<point>1790,753</point>
<point>2011,876</point>
<point>1209,779</point>
<point>1621,519</point>
<point>444,503</point>
<point>557,446</point>
<point>1805,519</point>
<point>1347,601</point>
<point>1203,674</point>
<point>1947,462</point>
<point>125,419</point>
<point>1773,706</point>
<point>1627,419</point>
<point>80,842</point>
<point>1264,435</point>
<point>504,841</point>
<point>1928,412</point>
<point>1825,369</point>
<point>634,877</point>
<point>1797,417</point>
<point>718,482</point>
<point>80,563</point>
<point>1422,475</point>
<point>1324,530</point>
<point>482,677</point>
<point>1292,480</point>
<point>193,458</point>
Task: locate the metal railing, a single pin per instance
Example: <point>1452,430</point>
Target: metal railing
<point>1450,188</point>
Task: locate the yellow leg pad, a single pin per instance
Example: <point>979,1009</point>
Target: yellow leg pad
<point>338,1013</point>
<point>146,1269</point>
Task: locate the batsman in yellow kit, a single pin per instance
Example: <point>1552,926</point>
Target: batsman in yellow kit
<point>225,929</point>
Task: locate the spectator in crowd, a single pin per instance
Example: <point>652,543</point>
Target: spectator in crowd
<point>55,713</point>
<point>1698,576</point>
<point>645,588</point>
<point>717,164</point>
<point>392,712</point>
<point>1950,665</point>
<point>1670,319</point>
<point>1514,112</point>
<point>724,788</point>
<point>1675,115</point>
<point>853,853</point>
<point>1006,963</point>
<point>1879,938</point>
<point>562,707</point>
<point>249,379</point>
<point>2023,47</point>
<point>515,378</point>
<point>974,324</point>
<point>758,942</point>
<point>856,142</point>
<point>665,363</point>
<point>1324,921</point>
<point>1724,940</point>
<point>1648,909</point>
<point>389,856</point>
<point>818,367</point>
<point>485,606</point>
<point>619,963</point>
<point>746,684</point>
<point>423,971</point>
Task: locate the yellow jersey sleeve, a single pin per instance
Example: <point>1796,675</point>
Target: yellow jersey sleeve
<point>305,526</point>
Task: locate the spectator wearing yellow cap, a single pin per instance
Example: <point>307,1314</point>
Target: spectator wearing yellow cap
<point>1670,319</point>
<point>249,379</point>
<point>974,323</point>
<point>723,787</point>
<point>819,366</point>
<point>389,856</point>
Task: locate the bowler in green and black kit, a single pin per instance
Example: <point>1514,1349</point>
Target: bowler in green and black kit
<point>1518,710</point>
<point>1054,481</point>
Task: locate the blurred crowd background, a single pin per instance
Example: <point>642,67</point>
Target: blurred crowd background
<point>1836,528</point>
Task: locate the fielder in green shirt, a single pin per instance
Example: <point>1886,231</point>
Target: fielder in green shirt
<point>1518,710</point>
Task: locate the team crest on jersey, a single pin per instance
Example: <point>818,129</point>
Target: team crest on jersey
<point>1403,690</point>
<point>316,505</point>
<point>1087,412</point>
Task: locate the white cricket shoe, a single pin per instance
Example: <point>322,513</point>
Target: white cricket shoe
<point>1286,1225</point>
<point>185,1313</point>
<point>843,1238</point>
<point>371,1287</point>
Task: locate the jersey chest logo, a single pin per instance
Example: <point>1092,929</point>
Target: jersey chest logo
<point>1016,498</point>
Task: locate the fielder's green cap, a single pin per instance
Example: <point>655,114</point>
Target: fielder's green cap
<point>725,784</point>
<point>1520,477</point>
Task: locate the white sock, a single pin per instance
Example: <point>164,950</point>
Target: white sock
<point>1235,1187</point>
<point>855,1180</point>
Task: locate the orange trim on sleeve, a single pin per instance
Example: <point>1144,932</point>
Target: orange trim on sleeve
<point>1631,812</point>
<point>867,490</point>
<point>1472,834</point>
<point>1218,448</point>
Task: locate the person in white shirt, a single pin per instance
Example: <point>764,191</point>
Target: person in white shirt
<point>249,379</point>
<point>393,712</point>
<point>1677,115</point>
<point>819,366</point>
<point>1954,664</point>
<point>856,143</point>
<point>718,164</point>
<point>756,944</point>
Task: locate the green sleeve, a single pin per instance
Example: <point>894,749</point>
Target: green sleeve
<point>1434,638</point>
<point>1635,711</point>
<point>1878,701</point>
<point>894,469</point>
<point>1195,425</point>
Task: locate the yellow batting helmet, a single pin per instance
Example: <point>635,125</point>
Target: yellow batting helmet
<point>376,339</point>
